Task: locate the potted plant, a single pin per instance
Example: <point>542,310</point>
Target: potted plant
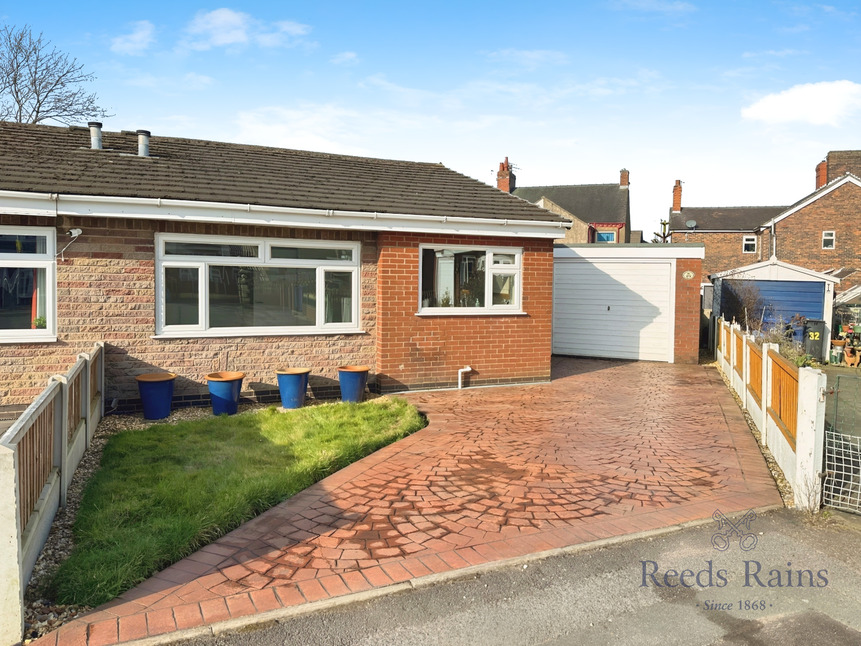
<point>156,391</point>
<point>224,389</point>
<point>292,384</point>
<point>353,380</point>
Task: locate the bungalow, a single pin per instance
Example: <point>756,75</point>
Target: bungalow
<point>195,256</point>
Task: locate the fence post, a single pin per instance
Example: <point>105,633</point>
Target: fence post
<point>87,395</point>
<point>745,371</point>
<point>766,390</point>
<point>810,438</point>
<point>11,588</point>
<point>61,434</point>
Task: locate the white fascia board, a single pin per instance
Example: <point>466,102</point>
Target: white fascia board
<point>52,204</point>
<point>629,253</point>
<point>758,271</point>
<point>846,179</point>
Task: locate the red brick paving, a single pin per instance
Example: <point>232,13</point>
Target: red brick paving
<point>607,448</point>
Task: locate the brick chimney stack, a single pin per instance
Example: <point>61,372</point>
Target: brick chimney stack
<point>505,179</point>
<point>821,174</point>
<point>624,178</point>
<point>677,197</point>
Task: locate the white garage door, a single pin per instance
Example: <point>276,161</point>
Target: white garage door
<point>614,309</point>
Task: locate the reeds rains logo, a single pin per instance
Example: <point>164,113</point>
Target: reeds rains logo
<point>728,530</point>
<point>751,573</point>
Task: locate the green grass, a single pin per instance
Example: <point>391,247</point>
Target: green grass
<point>164,492</point>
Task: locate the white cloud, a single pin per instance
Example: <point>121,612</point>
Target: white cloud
<point>137,42</point>
<point>194,81</point>
<point>529,58</point>
<point>324,128</point>
<point>654,6</point>
<point>226,28</point>
<point>777,53</point>
<point>345,58</point>
<point>828,103</point>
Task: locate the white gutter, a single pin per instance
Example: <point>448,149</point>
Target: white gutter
<point>54,204</point>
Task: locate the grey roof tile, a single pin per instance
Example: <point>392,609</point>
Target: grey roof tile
<point>48,159</point>
<point>588,202</point>
<point>724,218</point>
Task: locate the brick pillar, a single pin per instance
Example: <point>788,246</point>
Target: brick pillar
<point>687,338</point>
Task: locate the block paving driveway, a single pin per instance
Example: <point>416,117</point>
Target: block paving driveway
<point>607,448</point>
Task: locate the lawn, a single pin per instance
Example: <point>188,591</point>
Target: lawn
<point>164,492</point>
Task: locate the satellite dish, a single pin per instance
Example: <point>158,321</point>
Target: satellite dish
<point>691,224</point>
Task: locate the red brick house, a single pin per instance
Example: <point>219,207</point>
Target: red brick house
<point>819,232</point>
<point>195,256</point>
<point>599,213</point>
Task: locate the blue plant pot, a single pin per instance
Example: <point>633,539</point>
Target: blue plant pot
<point>156,391</point>
<point>353,380</point>
<point>224,389</point>
<point>292,384</point>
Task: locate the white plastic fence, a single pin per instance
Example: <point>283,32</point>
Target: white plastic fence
<point>786,403</point>
<point>38,456</point>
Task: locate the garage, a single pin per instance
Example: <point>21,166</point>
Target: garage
<point>621,301</point>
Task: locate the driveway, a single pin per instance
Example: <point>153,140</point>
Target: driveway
<point>607,449</point>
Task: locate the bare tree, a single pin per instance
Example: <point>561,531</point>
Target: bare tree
<point>664,236</point>
<point>40,83</point>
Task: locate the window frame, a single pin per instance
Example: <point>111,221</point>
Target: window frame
<point>263,259</point>
<point>832,237</point>
<point>745,240</point>
<point>47,261</point>
<point>514,270</point>
<point>612,232</point>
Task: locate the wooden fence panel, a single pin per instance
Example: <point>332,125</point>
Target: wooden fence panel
<point>784,396</point>
<point>738,366</point>
<point>754,386</point>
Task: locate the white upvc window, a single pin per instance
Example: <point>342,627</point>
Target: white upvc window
<point>230,286</point>
<point>828,239</point>
<point>456,279</point>
<point>748,245</point>
<point>28,284</point>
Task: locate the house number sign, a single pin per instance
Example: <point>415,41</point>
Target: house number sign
<point>688,275</point>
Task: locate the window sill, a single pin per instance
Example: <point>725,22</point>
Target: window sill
<point>47,338</point>
<point>470,312</point>
<point>209,334</point>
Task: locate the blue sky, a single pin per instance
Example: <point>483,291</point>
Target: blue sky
<point>739,100</point>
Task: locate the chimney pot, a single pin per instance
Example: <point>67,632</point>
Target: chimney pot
<point>677,197</point>
<point>505,179</point>
<point>95,135</point>
<point>143,143</point>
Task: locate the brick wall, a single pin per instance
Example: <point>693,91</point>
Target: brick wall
<point>687,322</point>
<point>841,162</point>
<point>106,292</point>
<point>799,236</point>
<point>427,351</point>
<point>724,250</point>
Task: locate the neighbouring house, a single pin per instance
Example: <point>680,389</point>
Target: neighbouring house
<point>598,213</point>
<point>819,232</point>
<point>195,256</point>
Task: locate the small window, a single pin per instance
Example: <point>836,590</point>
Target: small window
<point>827,239</point>
<point>28,271</point>
<point>749,244</point>
<point>605,236</point>
<point>469,280</point>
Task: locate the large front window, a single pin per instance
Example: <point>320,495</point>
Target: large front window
<point>468,279</point>
<point>27,284</point>
<point>237,286</point>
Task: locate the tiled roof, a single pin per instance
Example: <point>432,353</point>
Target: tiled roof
<point>724,218</point>
<point>588,202</point>
<point>45,159</point>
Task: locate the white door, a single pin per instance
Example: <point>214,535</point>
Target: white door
<point>619,309</point>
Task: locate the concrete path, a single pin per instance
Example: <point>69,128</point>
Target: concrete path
<point>608,448</point>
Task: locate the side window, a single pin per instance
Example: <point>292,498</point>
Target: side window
<point>749,244</point>
<point>28,276</point>
<point>828,239</point>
